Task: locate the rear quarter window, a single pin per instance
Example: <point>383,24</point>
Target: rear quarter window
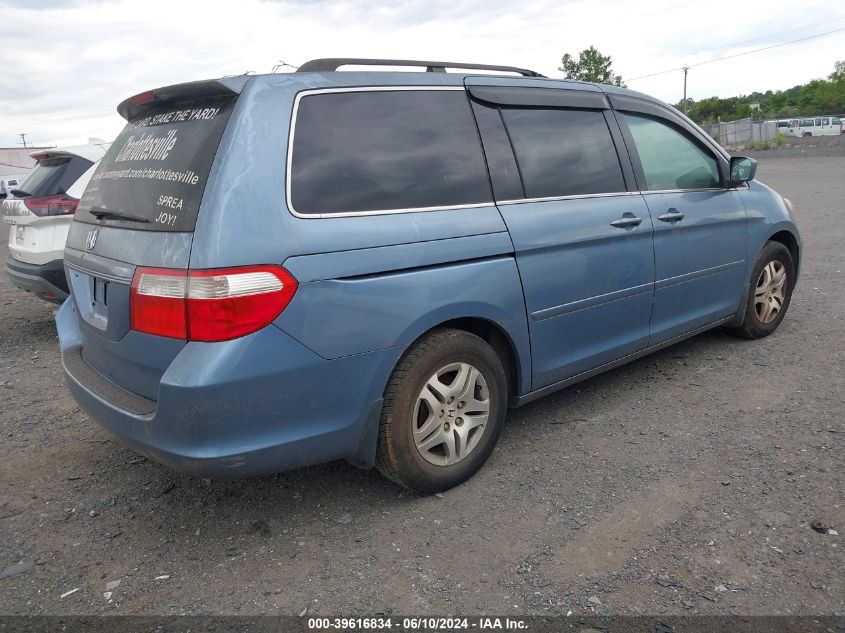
<point>373,151</point>
<point>157,168</point>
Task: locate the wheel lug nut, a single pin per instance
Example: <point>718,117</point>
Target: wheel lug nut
<point>459,421</point>
<point>461,404</point>
<point>451,399</point>
<point>442,413</point>
<point>446,427</point>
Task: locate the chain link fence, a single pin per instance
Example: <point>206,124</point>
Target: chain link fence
<point>741,131</point>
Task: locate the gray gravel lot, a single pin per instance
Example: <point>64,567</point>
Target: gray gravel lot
<point>686,482</point>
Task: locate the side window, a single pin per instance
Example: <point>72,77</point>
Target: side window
<point>563,152</point>
<point>386,150</point>
<point>670,160</point>
<point>835,120</point>
<point>807,122</point>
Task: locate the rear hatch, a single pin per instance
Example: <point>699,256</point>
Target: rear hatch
<point>55,173</point>
<point>41,198</point>
<point>140,210</point>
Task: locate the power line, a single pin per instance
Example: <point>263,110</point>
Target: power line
<point>765,48</point>
<point>756,50</point>
<point>769,36</point>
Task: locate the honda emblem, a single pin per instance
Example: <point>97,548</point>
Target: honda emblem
<point>91,239</point>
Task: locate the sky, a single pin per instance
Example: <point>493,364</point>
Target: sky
<point>66,64</point>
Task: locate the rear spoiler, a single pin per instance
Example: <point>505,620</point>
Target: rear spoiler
<point>50,153</point>
<point>169,95</point>
<point>91,151</point>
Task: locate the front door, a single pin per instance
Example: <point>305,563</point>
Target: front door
<point>699,229</point>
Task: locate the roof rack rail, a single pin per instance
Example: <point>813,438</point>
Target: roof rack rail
<point>331,64</point>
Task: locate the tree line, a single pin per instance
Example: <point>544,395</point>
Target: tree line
<point>819,96</point>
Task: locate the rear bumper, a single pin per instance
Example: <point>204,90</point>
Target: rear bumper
<point>48,280</point>
<point>256,405</point>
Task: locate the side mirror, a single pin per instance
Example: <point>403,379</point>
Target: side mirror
<point>743,169</point>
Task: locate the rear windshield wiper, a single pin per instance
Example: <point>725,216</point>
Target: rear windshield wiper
<point>20,193</point>
<point>108,214</point>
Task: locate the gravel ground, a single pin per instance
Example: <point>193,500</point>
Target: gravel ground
<point>686,482</point>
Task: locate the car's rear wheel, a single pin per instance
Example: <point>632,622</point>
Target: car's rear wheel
<point>444,408</point>
<point>770,291</point>
<point>805,134</point>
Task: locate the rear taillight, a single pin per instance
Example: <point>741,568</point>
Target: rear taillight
<point>58,204</point>
<point>208,305</point>
<point>157,302</point>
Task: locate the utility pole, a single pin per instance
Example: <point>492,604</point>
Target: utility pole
<point>686,68</point>
<point>23,139</point>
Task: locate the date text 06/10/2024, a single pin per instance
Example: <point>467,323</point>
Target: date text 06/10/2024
<point>417,624</point>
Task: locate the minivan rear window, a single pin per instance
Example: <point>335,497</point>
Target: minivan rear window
<point>379,150</point>
<point>156,170</point>
<point>53,175</point>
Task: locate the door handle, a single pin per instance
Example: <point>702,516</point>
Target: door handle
<point>673,215</point>
<point>625,221</point>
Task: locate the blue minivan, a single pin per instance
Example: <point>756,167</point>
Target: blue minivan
<point>268,272</point>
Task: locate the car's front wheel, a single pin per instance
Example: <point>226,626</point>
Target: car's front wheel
<point>444,408</point>
<point>770,291</point>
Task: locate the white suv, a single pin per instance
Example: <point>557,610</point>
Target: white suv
<point>40,211</point>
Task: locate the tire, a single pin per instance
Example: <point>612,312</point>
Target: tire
<point>805,134</point>
<point>412,415</point>
<point>758,322</point>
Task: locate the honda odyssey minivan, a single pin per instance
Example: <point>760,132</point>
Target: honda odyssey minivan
<point>273,271</point>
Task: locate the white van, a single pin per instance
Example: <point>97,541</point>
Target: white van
<point>815,126</point>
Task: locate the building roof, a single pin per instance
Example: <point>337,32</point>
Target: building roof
<point>16,161</point>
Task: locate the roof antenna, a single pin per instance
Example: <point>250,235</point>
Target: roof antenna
<point>281,64</point>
